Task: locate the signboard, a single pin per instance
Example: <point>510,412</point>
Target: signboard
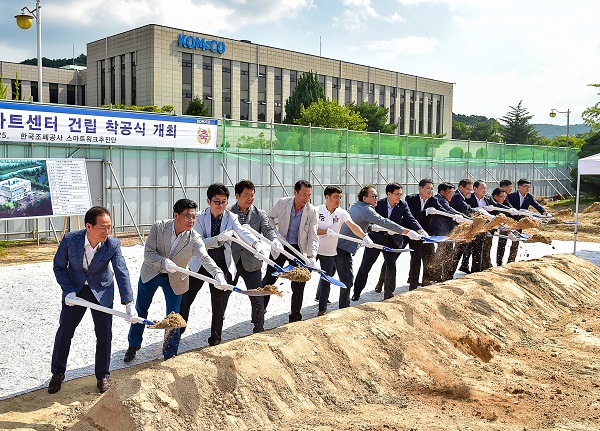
<point>43,188</point>
<point>25,122</point>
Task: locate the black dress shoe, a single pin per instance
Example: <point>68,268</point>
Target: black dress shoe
<point>103,385</point>
<point>214,341</point>
<point>464,269</point>
<point>355,297</point>
<point>130,354</point>
<point>55,383</point>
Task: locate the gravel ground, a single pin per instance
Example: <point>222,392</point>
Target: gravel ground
<point>31,299</point>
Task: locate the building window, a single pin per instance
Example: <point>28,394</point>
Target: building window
<point>226,83</point>
<point>244,91</point>
<point>421,111</point>
<point>322,81</point>
<point>123,79</point>
<point>262,93</point>
<point>382,95</point>
<point>207,81</point>
<point>402,117</point>
<point>34,91</point>
<point>440,114</point>
<point>186,81</point>
<point>335,88</point>
<point>71,95</point>
<point>53,93</point>
<point>412,120</point>
<point>278,92</point>
<point>82,95</point>
<point>102,83</point>
<point>371,93</point>
<point>347,91</point>
<point>113,82</point>
<point>430,113</point>
<point>133,79</point>
<point>293,80</point>
<point>359,92</point>
<point>392,119</point>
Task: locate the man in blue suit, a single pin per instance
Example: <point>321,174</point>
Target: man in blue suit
<point>482,244</point>
<point>81,268</point>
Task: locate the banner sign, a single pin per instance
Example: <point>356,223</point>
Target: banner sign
<point>43,188</point>
<point>25,122</point>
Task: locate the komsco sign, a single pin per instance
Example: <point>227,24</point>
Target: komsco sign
<point>201,43</point>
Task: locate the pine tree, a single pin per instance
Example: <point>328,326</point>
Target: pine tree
<point>197,108</point>
<point>517,129</point>
<point>308,90</point>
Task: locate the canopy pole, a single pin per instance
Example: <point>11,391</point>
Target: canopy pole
<point>576,213</point>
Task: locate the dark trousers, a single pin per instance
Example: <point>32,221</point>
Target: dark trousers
<point>70,316</point>
<point>477,250</point>
<point>423,252</point>
<point>487,250</point>
<point>369,257</point>
<point>464,253</point>
<point>142,304</point>
<point>500,251</point>
<point>218,301</point>
<point>343,265</point>
<point>297,287</point>
<point>328,265</point>
<point>252,280</point>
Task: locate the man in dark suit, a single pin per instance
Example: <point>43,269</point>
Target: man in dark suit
<point>81,268</point>
<point>506,186</point>
<point>393,208</point>
<point>419,205</point>
<point>459,203</point>
<point>521,199</point>
<point>499,200</point>
<point>482,244</point>
<point>444,255</point>
<point>247,265</point>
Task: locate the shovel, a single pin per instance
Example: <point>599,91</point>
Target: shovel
<point>83,303</point>
<point>331,232</point>
<point>304,262</point>
<point>227,286</point>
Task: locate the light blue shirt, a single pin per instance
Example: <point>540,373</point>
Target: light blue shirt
<point>295,218</point>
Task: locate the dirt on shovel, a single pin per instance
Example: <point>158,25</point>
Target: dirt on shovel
<point>172,321</point>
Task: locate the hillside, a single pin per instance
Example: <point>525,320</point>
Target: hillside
<point>551,131</point>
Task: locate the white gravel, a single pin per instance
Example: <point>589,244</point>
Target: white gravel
<point>30,298</point>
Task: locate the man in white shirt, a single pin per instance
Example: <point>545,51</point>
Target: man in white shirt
<point>331,216</point>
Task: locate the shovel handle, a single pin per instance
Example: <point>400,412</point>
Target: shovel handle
<point>296,252</point>
<point>268,241</point>
<point>227,286</point>
<point>83,303</point>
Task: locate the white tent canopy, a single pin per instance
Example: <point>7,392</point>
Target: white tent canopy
<point>587,166</point>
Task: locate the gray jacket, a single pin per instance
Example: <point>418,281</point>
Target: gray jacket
<point>308,239</point>
<point>158,248</point>
<point>259,221</point>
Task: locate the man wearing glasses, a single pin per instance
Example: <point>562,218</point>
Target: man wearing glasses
<point>362,213</point>
<point>214,225</point>
<point>171,243</point>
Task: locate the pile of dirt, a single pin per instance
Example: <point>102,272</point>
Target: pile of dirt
<point>512,348</point>
<point>593,207</point>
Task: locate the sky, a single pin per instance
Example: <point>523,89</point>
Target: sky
<point>543,52</point>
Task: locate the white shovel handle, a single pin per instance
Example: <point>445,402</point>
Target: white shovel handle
<point>268,241</point>
<point>296,252</point>
<point>442,213</point>
<point>256,253</point>
<point>83,303</point>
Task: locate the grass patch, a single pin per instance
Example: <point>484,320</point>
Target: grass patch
<point>570,203</point>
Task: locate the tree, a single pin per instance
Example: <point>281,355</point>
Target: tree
<point>329,113</point>
<point>3,88</point>
<point>308,90</point>
<point>488,130</point>
<point>167,109</point>
<point>376,116</point>
<point>197,108</point>
<point>517,129</point>
<point>81,60</point>
<point>591,115</point>
<point>589,183</point>
<point>460,130</point>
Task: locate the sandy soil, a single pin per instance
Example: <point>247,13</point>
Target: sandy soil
<point>514,348</point>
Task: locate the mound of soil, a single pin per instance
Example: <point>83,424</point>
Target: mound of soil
<point>512,348</point>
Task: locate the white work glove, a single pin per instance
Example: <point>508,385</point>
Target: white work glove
<point>130,310</point>
<point>170,266</point>
<point>512,237</point>
<point>514,211</point>
<point>461,219</point>
<point>413,235</point>
<point>277,246</point>
<point>430,210</point>
<point>547,214</point>
<point>225,236</point>
<point>480,210</point>
<point>221,281</point>
<point>377,228</point>
<point>70,297</point>
<point>490,208</point>
<point>368,241</point>
<point>312,262</point>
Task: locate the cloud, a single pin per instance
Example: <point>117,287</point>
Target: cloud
<point>356,14</point>
<point>410,45</point>
<point>394,18</point>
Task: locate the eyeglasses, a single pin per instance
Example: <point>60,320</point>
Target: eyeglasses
<point>219,203</point>
<point>374,196</point>
<point>188,216</point>
<point>397,194</point>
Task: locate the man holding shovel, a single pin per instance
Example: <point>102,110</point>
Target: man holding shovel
<point>170,244</point>
<point>81,268</point>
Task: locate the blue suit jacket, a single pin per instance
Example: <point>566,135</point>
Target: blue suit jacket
<point>431,223</point>
<point>444,224</point>
<point>514,200</point>
<point>459,203</point>
<point>400,215</point>
<point>70,274</point>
